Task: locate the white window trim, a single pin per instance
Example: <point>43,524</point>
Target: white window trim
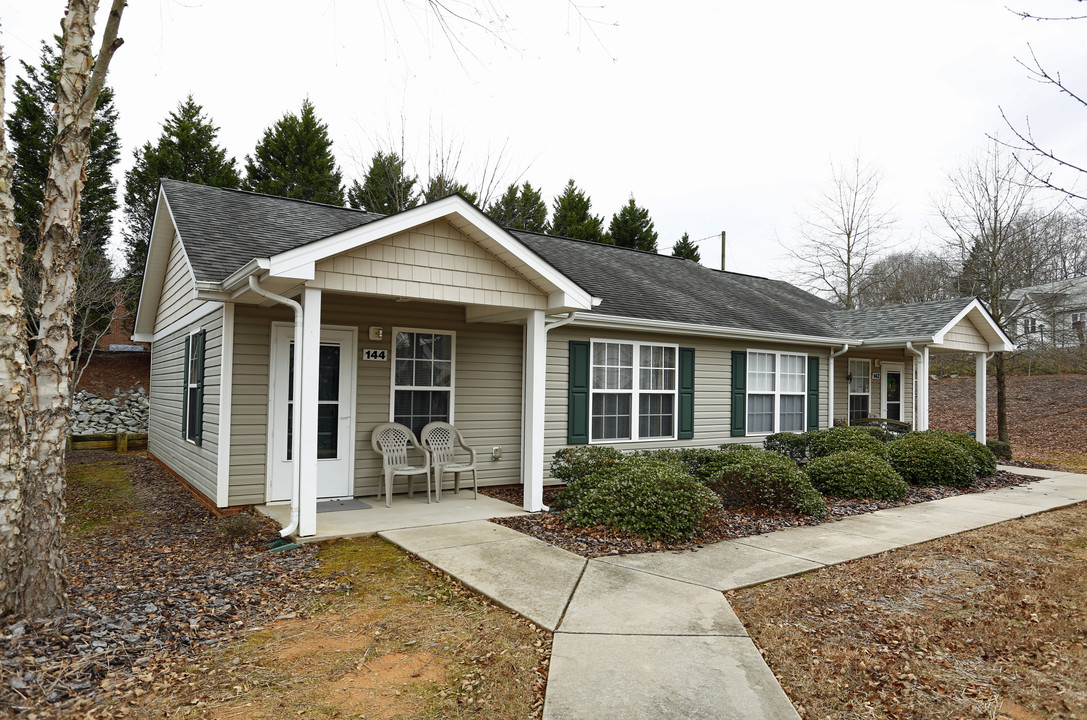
<point>777,390</point>
<point>186,405</point>
<point>635,393</point>
<point>393,387</point>
<point>850,394</point>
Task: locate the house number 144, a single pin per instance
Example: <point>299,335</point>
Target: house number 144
<point>381,355</point>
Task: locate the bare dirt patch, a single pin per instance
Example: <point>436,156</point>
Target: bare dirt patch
<point>987,624</point>
<point>1047,415</point>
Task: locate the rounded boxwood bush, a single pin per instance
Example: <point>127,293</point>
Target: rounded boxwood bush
<point>839,439</point>
<point>1001,449</point>
<point>928,459</point>
<point>650,497</point>
<point>692,460</point>
<point>792,445</point>
<point>760,478</point>
<point>572,463</point>
<point>853,474</point>
<point>983,458</point>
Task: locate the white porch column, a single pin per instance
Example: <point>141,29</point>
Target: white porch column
<point>533,410</point>
<point>980,399</point>
<point>830,390</point>
<point>922,389</point>
<point>306,397</point>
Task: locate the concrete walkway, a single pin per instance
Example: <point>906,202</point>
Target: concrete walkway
<point>652,635</point>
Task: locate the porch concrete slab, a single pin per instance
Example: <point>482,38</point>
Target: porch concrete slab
<point>435,537</point>
<point>619,677</point>
<point>525,575</point>
<point>620,601</point>
<point>726,565</point>
<point>892,528</point>
<point>821,544</point>
<point>405,513</point>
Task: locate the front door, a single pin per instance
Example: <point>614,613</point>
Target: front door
<point>335,413</point>
<point>892,391</point>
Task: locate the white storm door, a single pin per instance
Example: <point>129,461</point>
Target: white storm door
<point>335,413</point>
<point>892,390</point>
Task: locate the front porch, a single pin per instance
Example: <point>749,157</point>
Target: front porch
<point>406,512</point>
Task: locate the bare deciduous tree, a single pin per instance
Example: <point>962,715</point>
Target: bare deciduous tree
<point>991,221</point>
<point>843,233</point>
<point>906,277</point>
<point>36,394</point>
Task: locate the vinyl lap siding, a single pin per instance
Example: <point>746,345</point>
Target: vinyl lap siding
<point>875,401</point>
<point>196,464</point>
<point>178,288</point>
<point>964,336</point>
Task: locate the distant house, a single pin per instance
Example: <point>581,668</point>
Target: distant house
<point>528,343</point>
<point>1053,314</point>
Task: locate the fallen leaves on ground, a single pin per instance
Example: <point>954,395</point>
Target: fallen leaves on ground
<point>987,624</point>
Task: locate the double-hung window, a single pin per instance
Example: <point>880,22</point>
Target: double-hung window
<point>422,378</point>
<point>192,403</point>
<point>633,391</point>
<point>776,392</point>
<point>860,389</point>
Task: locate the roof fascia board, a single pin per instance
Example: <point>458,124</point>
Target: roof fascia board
<point>679,328</point>
<point>143,314</point>
<point>298,263</point>
<point>240,277</point>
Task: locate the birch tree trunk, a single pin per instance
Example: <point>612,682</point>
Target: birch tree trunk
<point>13,375</point>
<point>39,584</point>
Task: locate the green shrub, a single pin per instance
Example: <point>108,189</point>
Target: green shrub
<point>853,474</point>
<point>651,497</point>
<point>1001,449</point>
<point>839,439</point>
<point>692,460</point>
<point>928,459</point>
<point>761,478</point>
<point>983,458</point>
<point>877,432</point>
<point>572,463</point>
<point>791,445</point>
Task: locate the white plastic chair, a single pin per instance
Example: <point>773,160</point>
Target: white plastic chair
<point>441,440</point>
<point>391,441</point>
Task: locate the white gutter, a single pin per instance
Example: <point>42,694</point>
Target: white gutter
<point>830,383</point>
<point>296,406</point>
<point>683,328</point>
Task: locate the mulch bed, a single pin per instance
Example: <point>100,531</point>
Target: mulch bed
<point>144,598</point>
<point>726,524</point>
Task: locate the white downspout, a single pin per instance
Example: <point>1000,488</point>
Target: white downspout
<point>830,383</point>
<point>296,409</point>
<point>916,379</point>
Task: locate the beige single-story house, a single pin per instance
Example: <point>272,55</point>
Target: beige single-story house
<point>527,343</point>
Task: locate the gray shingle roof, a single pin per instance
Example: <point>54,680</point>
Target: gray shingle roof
<point>897,321</point>
<point>224,229</point>
<point>659,287</point>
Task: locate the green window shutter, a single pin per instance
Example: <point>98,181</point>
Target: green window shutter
<point>813,393</point>
<point>686,393</point>
<point>739,393</point>
<point>577,408</point>
<point>201,342</point>
<point>185,391</point>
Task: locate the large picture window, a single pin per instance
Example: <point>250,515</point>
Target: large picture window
<point>776,392</point>
<point>633,391</point>
<point>422,378</point>
<point>860,389</point>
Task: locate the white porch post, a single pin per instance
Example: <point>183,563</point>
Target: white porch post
<point>533,410</point>
<point>922,389</point>
<point>306,397</point>
<point>830,390</point>
<point>980,399</point>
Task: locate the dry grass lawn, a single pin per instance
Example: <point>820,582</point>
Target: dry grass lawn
<point>987,624</point>
<point>398,641</point>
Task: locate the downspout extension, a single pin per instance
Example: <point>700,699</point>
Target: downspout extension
<point>830,382</point>
<point>296,410</point>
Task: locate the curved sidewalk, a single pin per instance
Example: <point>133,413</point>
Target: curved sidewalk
<point>652,635</point>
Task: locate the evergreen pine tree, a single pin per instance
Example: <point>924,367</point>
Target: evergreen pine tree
<point>440,186</point>
<point>520,208</point>
<point>571,216</point>
<point>631,227</point>
<point>32,126</point>
<point>185,150</point>
<point>686,249</point>
<point>386,189</point>
<point>294,159</point>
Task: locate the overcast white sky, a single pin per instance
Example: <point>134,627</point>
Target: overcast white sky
<point>715,115</point>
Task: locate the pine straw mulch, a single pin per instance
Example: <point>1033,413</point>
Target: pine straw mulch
<point>725,524</point>
<point>147,591</point>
